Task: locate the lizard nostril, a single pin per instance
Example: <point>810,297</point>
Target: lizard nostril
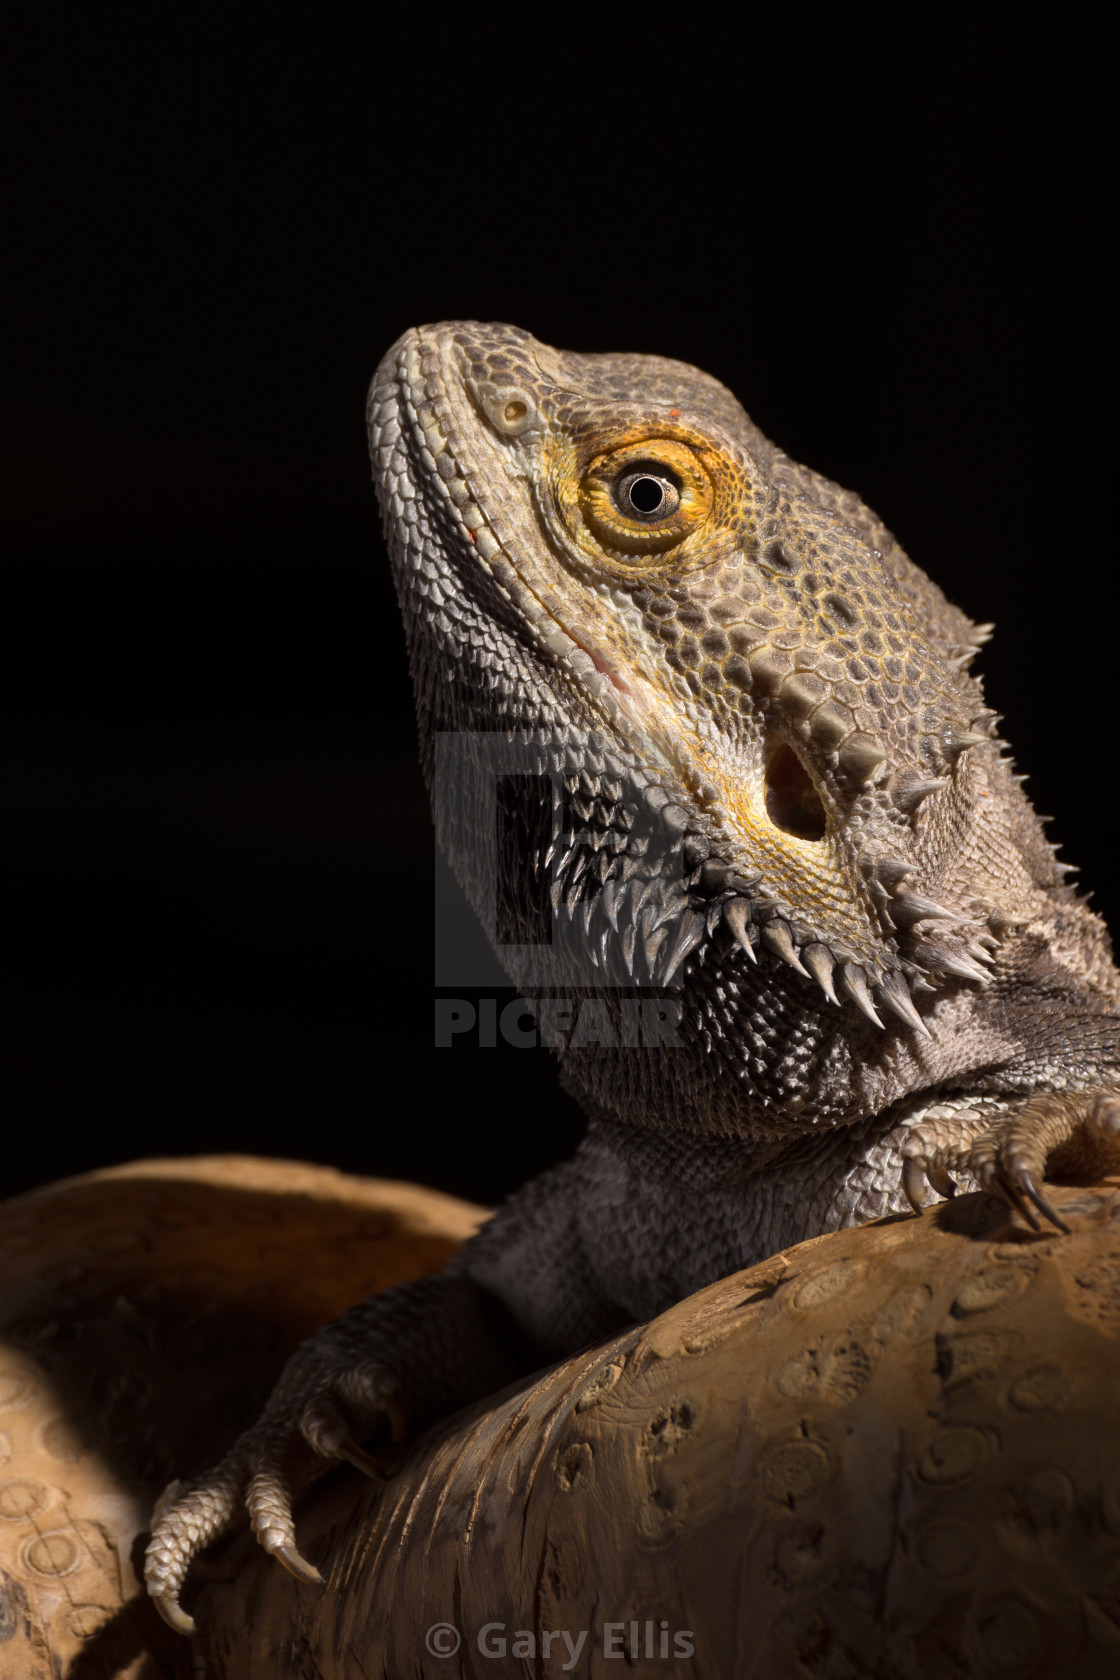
<point>792,802</point>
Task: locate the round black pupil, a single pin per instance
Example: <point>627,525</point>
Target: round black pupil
<point>646,495</point>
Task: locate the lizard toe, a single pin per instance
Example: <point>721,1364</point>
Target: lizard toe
<point>370,1392</point>
<point>1010,1187</point>
<point>935,1149</point>
<point>327,1432</point>
<point>1031,1190</point>
<point>275,1481</point>
<point>914,1173</point>
<point>185,1520</point>
<point>918,1167</point>
<point>1067,1132</point>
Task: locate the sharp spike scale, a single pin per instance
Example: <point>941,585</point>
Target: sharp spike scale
<point>737,915</point>
<point>818,960</point>
<point>689,935</point>
<point>912,793</point>
<point>776,937</point>
<point>894,994</point>
<point>854,982</point>
<point>907,908</point>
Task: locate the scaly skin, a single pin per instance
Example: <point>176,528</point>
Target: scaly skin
<point>745,767</point>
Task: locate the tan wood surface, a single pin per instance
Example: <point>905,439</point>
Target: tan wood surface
<point>145,1312</point>
<point>891,1452</point>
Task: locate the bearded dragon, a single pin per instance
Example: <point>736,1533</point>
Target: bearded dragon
<point>740,761</point>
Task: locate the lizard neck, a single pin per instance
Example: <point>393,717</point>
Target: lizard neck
<point>662,1218</point>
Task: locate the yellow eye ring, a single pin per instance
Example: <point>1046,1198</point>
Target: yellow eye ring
<point>645,497</point>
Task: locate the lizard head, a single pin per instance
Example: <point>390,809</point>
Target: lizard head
<point>786,762</point>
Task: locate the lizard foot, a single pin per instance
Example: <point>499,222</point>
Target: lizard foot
<point>314,1417</point>
<point>1065,1132</point>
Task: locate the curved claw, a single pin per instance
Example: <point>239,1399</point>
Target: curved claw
<point>915,1170</point>
<point>294,1563</point>
<point>913,1183</point>
<point>174,1614</point>
<point>942,1182</point>
<point>346,1447</point>
<point>1002,1185</point>
<point>1030,1188</point>
<point>327,1432</point>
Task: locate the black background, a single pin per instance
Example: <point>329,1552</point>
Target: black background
<point>892,245</point>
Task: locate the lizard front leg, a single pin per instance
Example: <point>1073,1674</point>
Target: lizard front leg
<point>402,1358</point>
<point>1059,1132</point>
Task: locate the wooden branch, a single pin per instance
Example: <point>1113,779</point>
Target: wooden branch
<point>890,1452</point>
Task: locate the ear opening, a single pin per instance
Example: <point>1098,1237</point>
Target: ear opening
<point>792,801</point>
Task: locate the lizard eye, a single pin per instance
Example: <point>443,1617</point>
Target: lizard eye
<point>647,494</point>
<point>645,497</point>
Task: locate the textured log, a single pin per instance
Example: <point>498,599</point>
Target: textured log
<point>891,1452</point>
<point>888,1453</point>
<point>144,1314</point>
